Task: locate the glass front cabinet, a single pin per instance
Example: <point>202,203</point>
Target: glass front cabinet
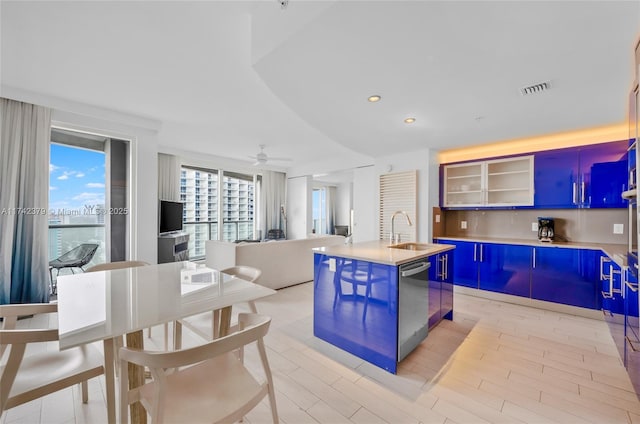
<point>491,183</point>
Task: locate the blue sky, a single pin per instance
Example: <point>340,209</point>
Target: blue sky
<point>76,177</point>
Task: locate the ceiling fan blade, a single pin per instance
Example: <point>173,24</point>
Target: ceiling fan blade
<point>282,159</point>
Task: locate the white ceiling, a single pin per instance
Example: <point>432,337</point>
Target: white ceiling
<point>224,77</point>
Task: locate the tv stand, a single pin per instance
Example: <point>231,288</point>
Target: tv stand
<point>173,247</point>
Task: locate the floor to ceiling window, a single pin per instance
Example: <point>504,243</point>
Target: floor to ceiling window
<point>199,193</point>
<point>207,197</point>
<point>76,194</point>
<point>238,206</point>
<point>319,207</point>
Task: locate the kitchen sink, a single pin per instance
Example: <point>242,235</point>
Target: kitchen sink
<point>411,246</point>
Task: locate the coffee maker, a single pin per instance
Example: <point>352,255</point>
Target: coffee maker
<point>545,229</point>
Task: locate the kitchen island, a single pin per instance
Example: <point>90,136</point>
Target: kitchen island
<point>378,302</point>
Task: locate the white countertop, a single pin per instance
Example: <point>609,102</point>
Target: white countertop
<point>379,252</point>
<point>617,252</point>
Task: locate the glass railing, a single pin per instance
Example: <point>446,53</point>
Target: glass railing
<point>199,232</point>
<point>64,237</point>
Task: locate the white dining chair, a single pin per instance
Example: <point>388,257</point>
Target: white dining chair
<point>244,272</point>
<point>207,383</point>
<point>24,378</point>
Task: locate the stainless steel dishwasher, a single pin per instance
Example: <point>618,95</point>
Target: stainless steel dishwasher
<point>413,305</point>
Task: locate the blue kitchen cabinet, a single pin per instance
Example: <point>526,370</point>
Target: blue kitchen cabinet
<point>603,171</point>
<point>503,268</point>
<point>441,287</point>
<point>465,263</point>
<point>555,177</point>
<point>591,176</point>
<point>567,276</point>
<point>506,268</point>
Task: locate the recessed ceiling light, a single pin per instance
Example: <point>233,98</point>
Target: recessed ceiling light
<point>409,120</point>
<point>374,98</point>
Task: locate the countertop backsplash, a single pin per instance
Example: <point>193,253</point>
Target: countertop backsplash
<point>577,225</point>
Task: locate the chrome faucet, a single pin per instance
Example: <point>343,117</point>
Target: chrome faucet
<point>393,237</point>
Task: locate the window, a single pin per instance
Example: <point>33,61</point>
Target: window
<point>200,217</point>
<point>206,198</point>
<point>238,206</point>
<point>319,204</point>
<point>77,190</point>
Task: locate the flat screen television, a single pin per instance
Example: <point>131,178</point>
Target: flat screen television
<point>170,216</point>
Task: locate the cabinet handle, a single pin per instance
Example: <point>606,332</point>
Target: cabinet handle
<point>475,256</point>
<point>609,294</point>
<point>413,271</point>
<point>575,193</point>
<point>603,259</point>
<point>482,253</point>
<point>534,257</point>
<point>446,266</point>
<point>582,192</point>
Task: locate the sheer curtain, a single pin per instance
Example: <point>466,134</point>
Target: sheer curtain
<point>25,132</point>
<point>330,212</point>
<point>168,177</point>
<point>273,197</point>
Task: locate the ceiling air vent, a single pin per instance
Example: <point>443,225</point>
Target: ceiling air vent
<point>535,88</point>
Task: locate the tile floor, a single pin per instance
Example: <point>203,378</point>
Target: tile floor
<point>494,363</point>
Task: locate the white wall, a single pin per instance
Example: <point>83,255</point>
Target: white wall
<point>299,207</point>
<point>365,207</point>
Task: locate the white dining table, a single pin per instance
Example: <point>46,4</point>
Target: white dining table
<point>105,305</point>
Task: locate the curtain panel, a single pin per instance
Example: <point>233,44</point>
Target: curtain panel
<point>25,132</point>
<point>273,196</point>
<point>168,177</point>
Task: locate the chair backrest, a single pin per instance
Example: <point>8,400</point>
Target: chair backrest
<point>83,253</point>
<point>41,373</point>
<point>341,230</point>
<point>252,328</point>
<point>275,234</point>
<point>244,272</point>
<point>116,265</point>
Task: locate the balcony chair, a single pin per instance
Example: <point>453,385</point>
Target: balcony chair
<point>25,378</point>
<point>275,234</point>
<point>206,383</point>
<point>77,257</point>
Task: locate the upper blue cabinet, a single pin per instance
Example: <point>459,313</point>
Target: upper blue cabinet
<point>582,177</point>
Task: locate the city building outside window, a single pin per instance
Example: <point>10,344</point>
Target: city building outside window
<point>206,198</point>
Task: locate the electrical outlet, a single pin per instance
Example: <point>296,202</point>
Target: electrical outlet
<point>463,225</point>
<point>534,226</point>
<point>618,228</point>
<point>437,218</point>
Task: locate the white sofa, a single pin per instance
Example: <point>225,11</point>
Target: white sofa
<point>283,262</point>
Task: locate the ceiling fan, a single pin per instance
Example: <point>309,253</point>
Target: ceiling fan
<point>261,158</point>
